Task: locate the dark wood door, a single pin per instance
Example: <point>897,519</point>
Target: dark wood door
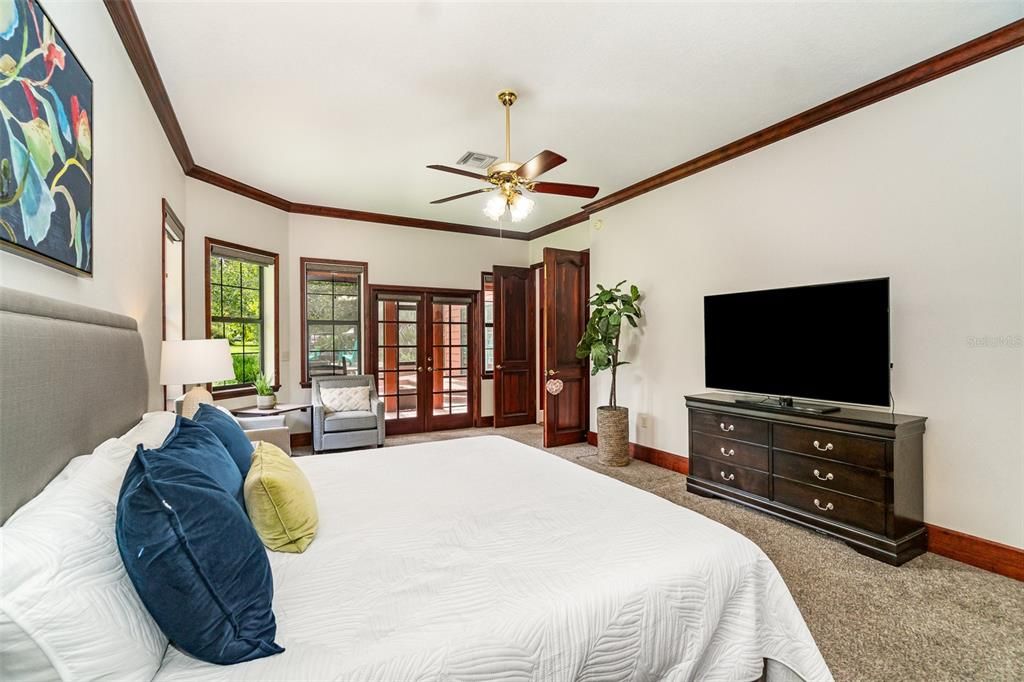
<point>514,341</point>
<point>566,285</point>
<point>420,346</point>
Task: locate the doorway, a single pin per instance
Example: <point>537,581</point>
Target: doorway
<point>172,286</point>
<point>421,348</point>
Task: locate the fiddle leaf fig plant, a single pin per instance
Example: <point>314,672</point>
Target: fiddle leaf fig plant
<point>600,342</point>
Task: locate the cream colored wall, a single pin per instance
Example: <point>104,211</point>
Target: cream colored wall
<point>134,168</point>
<point>213,212</point>
<point>925,188</point>
<point>574,238</point>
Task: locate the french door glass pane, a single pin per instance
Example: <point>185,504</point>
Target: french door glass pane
<point>397,355</point>
<point>450,355</point>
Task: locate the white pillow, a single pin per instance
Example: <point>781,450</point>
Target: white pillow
<point>67,607</point>
<point>151,432</point>
<point>346,399</point>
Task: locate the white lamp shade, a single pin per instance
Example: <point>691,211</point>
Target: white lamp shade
<point>195,361</point>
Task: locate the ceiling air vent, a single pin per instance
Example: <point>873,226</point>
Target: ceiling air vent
<point>476,160</point>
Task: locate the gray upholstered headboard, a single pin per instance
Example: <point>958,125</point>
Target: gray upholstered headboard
<point>70,378</point>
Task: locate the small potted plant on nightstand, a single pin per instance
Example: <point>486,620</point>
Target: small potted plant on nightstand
<point>600,342</point>
<point>265,398</point>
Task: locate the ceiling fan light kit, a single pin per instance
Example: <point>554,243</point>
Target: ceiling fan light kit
<point>512,179</point>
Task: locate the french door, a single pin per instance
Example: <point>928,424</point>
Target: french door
<point>421,349</point>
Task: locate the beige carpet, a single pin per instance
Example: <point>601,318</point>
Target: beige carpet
<point>930,619</point>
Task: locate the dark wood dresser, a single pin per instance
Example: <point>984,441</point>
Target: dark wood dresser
<point>854,474</point>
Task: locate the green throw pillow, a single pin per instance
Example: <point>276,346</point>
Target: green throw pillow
<point>280,501</point>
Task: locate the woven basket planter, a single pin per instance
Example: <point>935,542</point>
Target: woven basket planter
<point>613,436</point>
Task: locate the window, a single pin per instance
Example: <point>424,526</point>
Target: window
<point>332,303</point>
<point>488,287</point>
<point>241,304</point>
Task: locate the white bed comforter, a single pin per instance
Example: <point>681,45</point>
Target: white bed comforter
<point>485,559</point>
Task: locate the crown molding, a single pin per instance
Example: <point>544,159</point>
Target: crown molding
<point>989,45</point>
<point>126,21</point>
<point>404,221</point>
<point>230,184</point>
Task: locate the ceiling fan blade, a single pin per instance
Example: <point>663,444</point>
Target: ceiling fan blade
<point>459,171</point>
<point>464,194</point>
<point>585,191</point>
<point>541,163</point>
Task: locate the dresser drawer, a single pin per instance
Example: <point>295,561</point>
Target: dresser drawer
<point>754,482</point>
<point>852,511</point>
<point>867,483</point>
<point>728,426</point>
<point>865,452</point>
<point>730,451</point>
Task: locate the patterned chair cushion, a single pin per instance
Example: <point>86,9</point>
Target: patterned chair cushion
<point>346,399</point>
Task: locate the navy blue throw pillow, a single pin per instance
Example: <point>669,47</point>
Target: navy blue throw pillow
<point>195,561</point>
<point>229,433</point>
<point>198,446</point>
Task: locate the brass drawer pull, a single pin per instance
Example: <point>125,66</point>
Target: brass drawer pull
<point>817,446</point>
<point>827,507</point>
<point>728,454</point>
<point>730,477</point>
<point>826,477</point>
<point>731,427</point>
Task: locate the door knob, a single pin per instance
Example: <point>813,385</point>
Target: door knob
<point>419,369</point>
<point>552,372</point>
<point>497,367</point>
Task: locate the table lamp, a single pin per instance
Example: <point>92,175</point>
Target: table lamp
<point>195,361</point>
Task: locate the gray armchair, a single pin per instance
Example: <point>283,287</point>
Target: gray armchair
<point>339,430</point>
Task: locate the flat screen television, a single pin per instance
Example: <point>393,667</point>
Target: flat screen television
<point>823,342</point>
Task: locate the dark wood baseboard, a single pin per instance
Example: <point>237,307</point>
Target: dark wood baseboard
<point>661,458</point>
<point>969,549</point>
<point>485,422</point>
<point>979,552</point>
<point>301,440</point>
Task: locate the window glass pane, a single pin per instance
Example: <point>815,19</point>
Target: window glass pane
<point>346,308</point>
<point>217,330</point>
<point>252,334</point>
<point>407,334</point>
<point>232,272</point>
<point>407,312</point>
<point>489,338</point>
<point>351,359</point>
<point>251,368</point>
<point>407,355</point>
<point>232,301</point>
<point>250,275</point>
<point>215,294</point>
<point>316,286</point>
<point>337,297</point>
<point>321,337</point>
<point>215,270</point>
<point>318,307</point>
<point>346,289</point>
<point>346,337</point>
<point>407,382</point>
<point>251,308</point>
<point>489,360</point>
<point>233,333</point>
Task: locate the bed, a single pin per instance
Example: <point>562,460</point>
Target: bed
<point>472,559</point>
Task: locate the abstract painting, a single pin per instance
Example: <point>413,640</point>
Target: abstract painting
<point>45,142</point>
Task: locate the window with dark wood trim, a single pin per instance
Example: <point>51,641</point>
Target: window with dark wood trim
<point>333,317</point>
<point>242,307</point>
<point>487,366</point>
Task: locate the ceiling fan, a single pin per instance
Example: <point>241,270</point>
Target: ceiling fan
<point>511,178</point>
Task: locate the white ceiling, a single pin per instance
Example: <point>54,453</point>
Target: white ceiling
<point>344,104</point>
